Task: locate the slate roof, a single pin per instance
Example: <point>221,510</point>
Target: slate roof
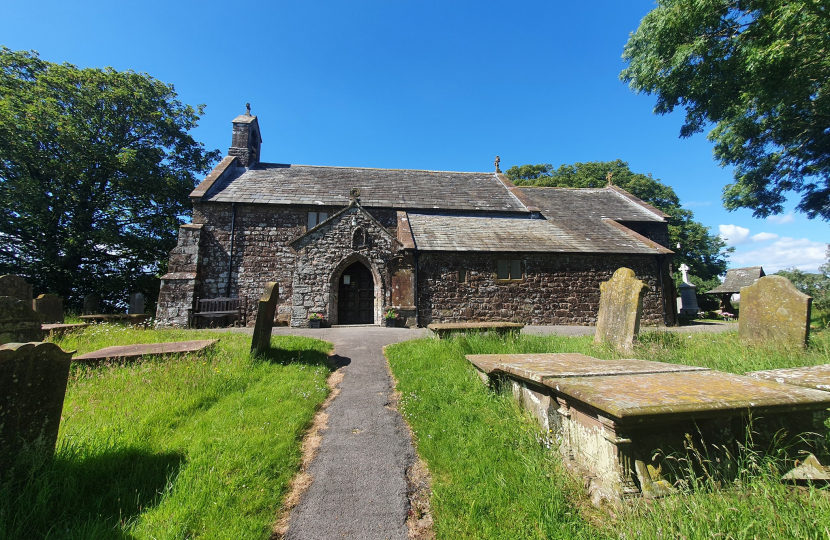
<point>270,183</point>
<point>588,204</point>
<point>737,278</point>
<point>513,234</point>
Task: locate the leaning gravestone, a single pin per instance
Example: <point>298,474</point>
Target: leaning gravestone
<point>50,307</point>
<point>620,309</point>
<point>265,318</point>
<point>92,304</point>
<point>18,321</point>
<point>136,303</point>
<point>33,380</point>
<point>16,287</point>
<point>773,310</point>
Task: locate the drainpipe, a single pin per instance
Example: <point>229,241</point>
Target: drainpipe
<point>230,258</point>
<point>660,260</point>
<point>417,310</point>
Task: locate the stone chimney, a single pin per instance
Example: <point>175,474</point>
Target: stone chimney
<point>246,140</point>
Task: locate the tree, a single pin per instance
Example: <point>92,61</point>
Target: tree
<point>815,285</point>
<point>703,252</point>
<point>756,69</point>
<point>95,170</point>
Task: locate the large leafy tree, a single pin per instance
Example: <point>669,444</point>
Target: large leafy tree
<point>95,170</point>
<point>703,252</point>
<point>757,70</point>
<point>815,285</point>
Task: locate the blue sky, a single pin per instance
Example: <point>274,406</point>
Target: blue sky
<point>415,84</point>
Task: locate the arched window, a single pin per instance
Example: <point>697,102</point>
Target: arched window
<point>359,238</point>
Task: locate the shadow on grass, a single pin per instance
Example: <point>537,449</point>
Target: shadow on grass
<point>84,497</point>
<point>288,356</point>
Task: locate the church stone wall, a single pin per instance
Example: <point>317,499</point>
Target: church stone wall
<point>556,288</point>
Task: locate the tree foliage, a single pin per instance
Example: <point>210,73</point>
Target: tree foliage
<point>756,69</point>
<point>815,285</point>
<point>702,251</point>
<point>95,170</point>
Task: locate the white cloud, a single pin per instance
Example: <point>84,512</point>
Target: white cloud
<point>802,253</point>
<point>764,236</point>
<point>733,235</point>
<point>781,220</point>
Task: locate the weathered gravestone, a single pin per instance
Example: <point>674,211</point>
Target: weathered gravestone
<point>32,388</point>
<point>688,298</point>
<point>620,309</point>
<point>265,317</point>
<point>773,310</point>
<point>16,287</point>
<point>18,321</point>
<point>92,304</point>
<point>136,303</point>
<point>50,307</point>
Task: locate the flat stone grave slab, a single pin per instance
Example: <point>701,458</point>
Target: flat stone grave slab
<point>443,329</point>
<point>62,328</point>
<point>117,318</point>
<point>817,377</point>
<point>539,367</point>
<point>135,351</point>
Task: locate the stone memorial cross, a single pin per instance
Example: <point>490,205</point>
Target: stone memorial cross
<point>620,309</point>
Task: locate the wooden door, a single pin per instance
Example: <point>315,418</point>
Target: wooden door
<point>356,299</point>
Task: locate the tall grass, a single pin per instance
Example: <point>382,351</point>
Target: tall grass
<point>495,477</point>
<point>194,446</point>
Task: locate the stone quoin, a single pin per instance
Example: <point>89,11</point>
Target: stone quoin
<point>350,244</point>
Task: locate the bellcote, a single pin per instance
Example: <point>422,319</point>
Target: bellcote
<point>246,139</point>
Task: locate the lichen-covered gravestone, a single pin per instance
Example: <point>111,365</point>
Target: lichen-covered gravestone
<point>773,310</point>
<point>92,304</point>
<point>136,303</point>
<point>16,287</point>
<point>18,321</point>
<point>265,318</point>
<point>620,309</point>
<point>50,307</point>
<point>33,380</point>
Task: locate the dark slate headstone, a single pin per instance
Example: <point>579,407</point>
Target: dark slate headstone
<point>18,321</point>
<point>773,310</point>
<point>620,309</point>
<point>50,307</point>
<point>265,317</point>
<point>33,380</point>
<point>16,287</point>
<point>136,303</point>
<point>92,304</point>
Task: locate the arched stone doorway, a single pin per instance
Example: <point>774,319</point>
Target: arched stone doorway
<point>356,295</point>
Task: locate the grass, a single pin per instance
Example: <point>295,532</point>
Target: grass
<point>194,446</point>
<point>495,475</point>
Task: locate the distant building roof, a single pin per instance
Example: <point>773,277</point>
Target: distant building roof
<point>737,278</point>
<point>270,183</point>
<point>499,233</point>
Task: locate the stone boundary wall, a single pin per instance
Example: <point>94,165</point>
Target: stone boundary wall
<point>556,289</point>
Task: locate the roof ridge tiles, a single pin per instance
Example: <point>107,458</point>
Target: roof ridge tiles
<point>372,168</point>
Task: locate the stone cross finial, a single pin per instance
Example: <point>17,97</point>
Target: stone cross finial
<point>685,271</point>
<point>608,177</point>
<point>498,160</point>
<point>248,109</point>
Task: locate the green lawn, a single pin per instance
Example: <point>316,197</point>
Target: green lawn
<point>195,446</point>
<point>495,477</point>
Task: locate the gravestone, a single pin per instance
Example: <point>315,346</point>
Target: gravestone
<point>50,307</point>
<point>16,287</point>
<point>33,380</point>
<point>136,303</point>
<point>92,304</point>
<point>688,298</point>
<point>773,310</point>
<point>620,309</point>
<point>265,317</point>
<point>18,321</point>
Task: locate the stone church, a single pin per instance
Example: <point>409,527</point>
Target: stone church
<point>352,243</point>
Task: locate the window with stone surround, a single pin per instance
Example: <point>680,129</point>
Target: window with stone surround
<point>315,218</point>
<point>463,275</point>
<point>509,270</point>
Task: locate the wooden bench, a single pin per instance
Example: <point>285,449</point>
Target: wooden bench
<point>446,329</point>
<point>235,309</point>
